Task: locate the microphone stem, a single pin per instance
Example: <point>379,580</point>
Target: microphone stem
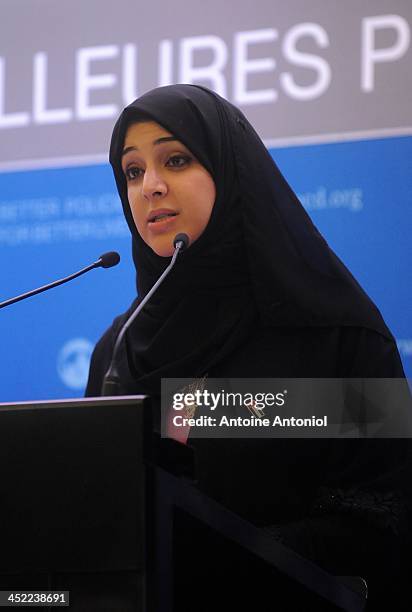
<point>147,297</point>
<point>111,379</point>
<point>50,285</point>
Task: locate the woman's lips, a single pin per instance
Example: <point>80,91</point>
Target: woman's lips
<point>160,221</point>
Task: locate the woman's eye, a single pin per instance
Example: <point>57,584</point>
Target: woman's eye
<point>133,173</point>
<point>178,161</point>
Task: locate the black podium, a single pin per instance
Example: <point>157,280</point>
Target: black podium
<point>91,503</point>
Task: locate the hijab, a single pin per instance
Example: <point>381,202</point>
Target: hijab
<point>259,263</point>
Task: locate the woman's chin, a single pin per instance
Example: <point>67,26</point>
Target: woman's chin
<point>163,245</point>
<point>163,248</point>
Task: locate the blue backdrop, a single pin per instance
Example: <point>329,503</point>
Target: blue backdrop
<point>55,221</point>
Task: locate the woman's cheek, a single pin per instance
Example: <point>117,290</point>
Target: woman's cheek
<point>136,212</point>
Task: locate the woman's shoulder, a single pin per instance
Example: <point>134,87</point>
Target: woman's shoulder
<point>312,352</point>
<point>355,351</point>
<point>366,352</point>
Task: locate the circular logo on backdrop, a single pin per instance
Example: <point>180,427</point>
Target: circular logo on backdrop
<point>73,362</point>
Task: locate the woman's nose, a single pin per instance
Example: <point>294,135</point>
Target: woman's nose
<point>153,185</point>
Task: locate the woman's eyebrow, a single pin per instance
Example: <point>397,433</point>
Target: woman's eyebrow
<point>155,142</point>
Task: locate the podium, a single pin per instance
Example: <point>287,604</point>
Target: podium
<point>91,498</point>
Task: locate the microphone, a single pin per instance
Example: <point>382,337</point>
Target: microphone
<point>107,260</point>
<point>111,379</point>
<point>181,241</point>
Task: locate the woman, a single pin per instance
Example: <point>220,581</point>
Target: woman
<point>258,294</point>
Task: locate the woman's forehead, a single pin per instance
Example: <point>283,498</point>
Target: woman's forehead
<point>145,131</point>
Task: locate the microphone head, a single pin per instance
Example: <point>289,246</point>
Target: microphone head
<point>108,260</point>
<point>183,239</point>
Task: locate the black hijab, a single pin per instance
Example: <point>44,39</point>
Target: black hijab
<point>260,261</point>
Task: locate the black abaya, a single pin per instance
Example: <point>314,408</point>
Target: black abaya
<point>261,295</point>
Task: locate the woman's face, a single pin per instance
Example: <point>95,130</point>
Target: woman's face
<point>169,191</point>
